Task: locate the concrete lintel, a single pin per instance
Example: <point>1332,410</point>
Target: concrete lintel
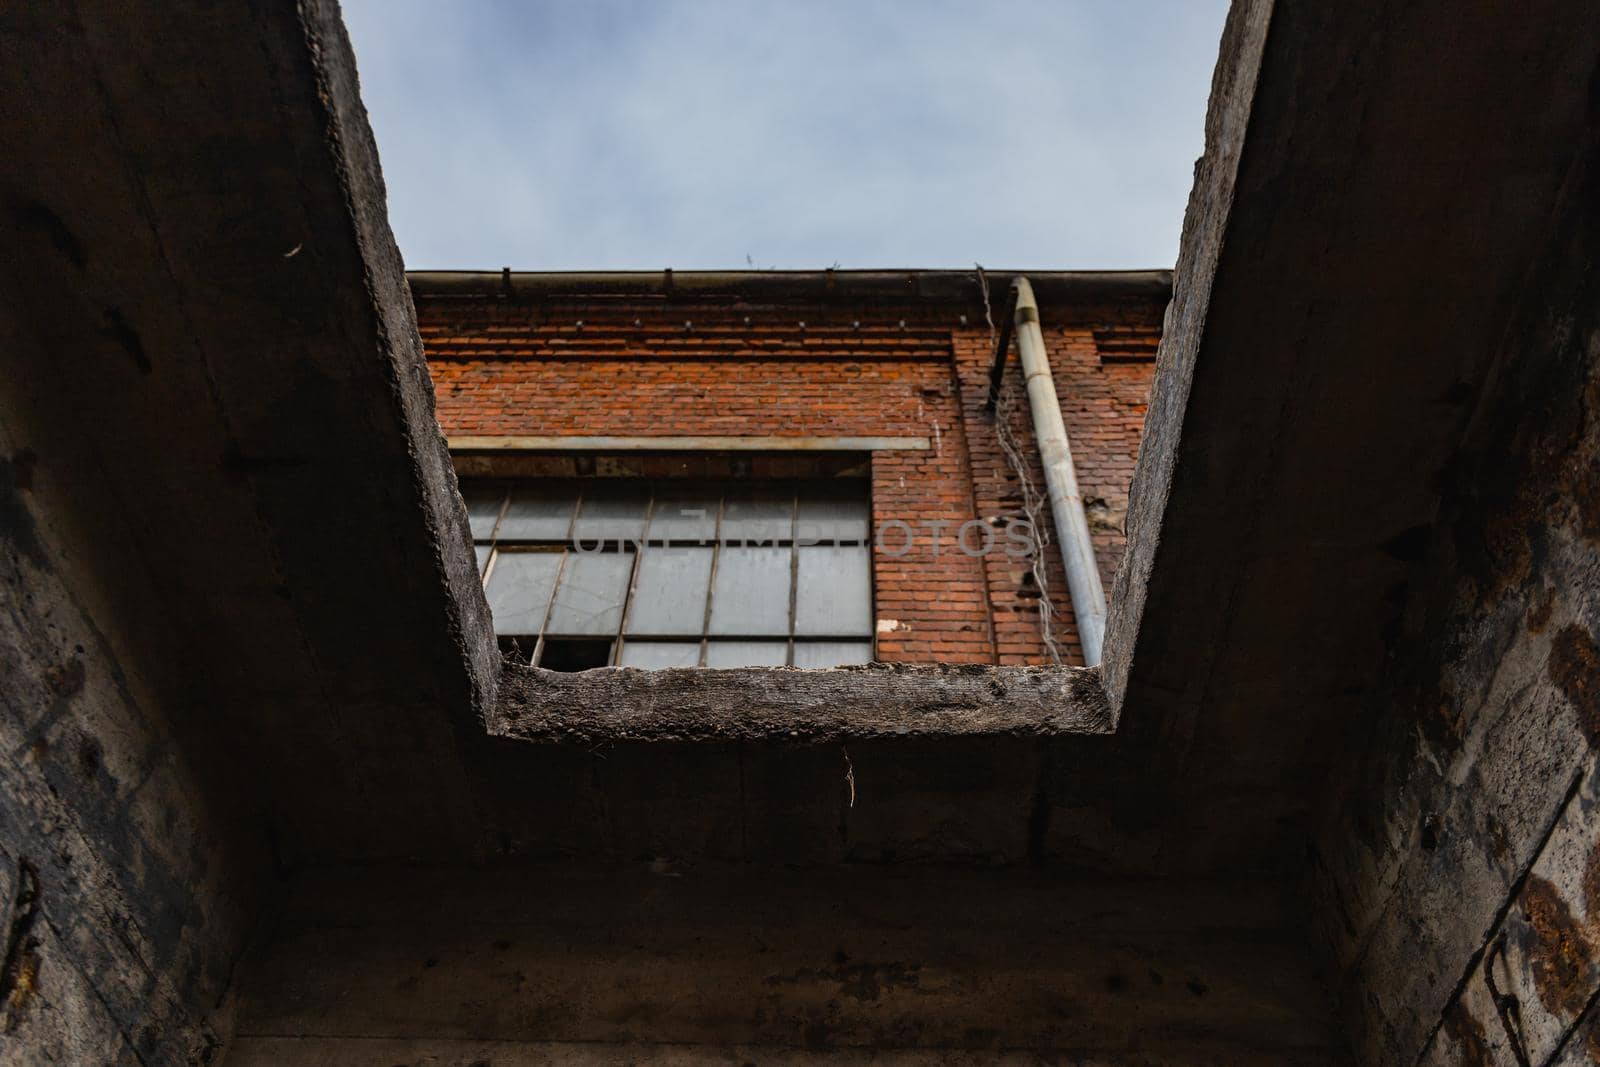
<point>523,443</point>
<point>878,701</point>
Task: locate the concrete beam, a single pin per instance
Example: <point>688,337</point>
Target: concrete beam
<point>854,703</point>
<point>665,963</point>
<point>211,354</point>
<point>1360,231</point>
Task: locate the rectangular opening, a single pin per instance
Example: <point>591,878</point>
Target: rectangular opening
<point>569,654</point>
<point>608,568</point>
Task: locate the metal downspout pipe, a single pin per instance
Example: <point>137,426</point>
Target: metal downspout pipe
<point>1061,478</point>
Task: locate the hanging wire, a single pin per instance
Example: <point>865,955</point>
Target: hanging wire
<point>1033,504</point>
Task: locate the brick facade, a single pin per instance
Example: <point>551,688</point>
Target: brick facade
<point>568,362</point>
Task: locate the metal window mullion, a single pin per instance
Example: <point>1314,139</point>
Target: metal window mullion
<point>633,581</point>
<point>801,639</point>
<point>672,639</point>
<point>572,523</point>
<point>494,537</point>
<point>870,545</point>
<point>561,571</point>
<point>549,606</point>
<point>505,505</point>
<point>794,570</point>
<point>711,582</point>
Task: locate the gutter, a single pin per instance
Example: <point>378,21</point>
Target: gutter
<point>889,286</point>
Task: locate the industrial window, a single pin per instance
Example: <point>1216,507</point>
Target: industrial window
<point>593,572</point>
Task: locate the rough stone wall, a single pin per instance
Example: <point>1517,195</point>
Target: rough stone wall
<point>124,900</point>
<point>1457,869</point>
<point>637,369</point>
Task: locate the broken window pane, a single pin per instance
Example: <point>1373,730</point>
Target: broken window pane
<point>669,593</point>
<point>684,517</point>
<point>538,514</point>
<point>574,655</point>
<point>761,515</point>
<point>589,600</point>
<point>652,654</point>
<point>519,590</point>
<point>747,653</point>
<point>752,591</point>
<point>834,594</point>
<point>815,654</point>
<point>661,592</point>
<point>611,513</point>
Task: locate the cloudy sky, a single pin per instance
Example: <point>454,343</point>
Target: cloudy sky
<point>697,134</point>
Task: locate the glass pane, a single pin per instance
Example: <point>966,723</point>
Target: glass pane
<point>669,592</point>
<point>758,516</point>
<point>832,519</point>
<point>483,510</point>
<point>747,653</point>
<point>660,654</point>
<point>752,592</point>
<point>814,654</point>
<point>539,514</point>
<point>684,517</point>
<point>592,590</point>
<point>519,590</point>
<point>611,513</point>
<point>483,556</point>
<point>835,591</point>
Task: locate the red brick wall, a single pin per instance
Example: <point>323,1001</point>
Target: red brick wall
<point>1103,406</point>
<point>637,368</point>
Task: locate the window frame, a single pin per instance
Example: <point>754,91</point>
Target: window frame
<point>724,490</point>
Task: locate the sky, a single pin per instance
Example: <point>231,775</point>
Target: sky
<point>708,134</point>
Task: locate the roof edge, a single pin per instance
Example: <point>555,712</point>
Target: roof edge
<point>878,285</point>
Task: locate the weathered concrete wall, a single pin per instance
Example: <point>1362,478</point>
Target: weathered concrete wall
<point>1360,236</point>
<point>126,887</point>
<point>241,621</point>
<point>876,701</point>
<point>1457,867</point>
<point>233,552</point>
<point>924,764</point>
<point>204,305</point>
<point>717,963</point>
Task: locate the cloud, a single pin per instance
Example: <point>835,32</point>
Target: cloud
<point>691,134</point>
